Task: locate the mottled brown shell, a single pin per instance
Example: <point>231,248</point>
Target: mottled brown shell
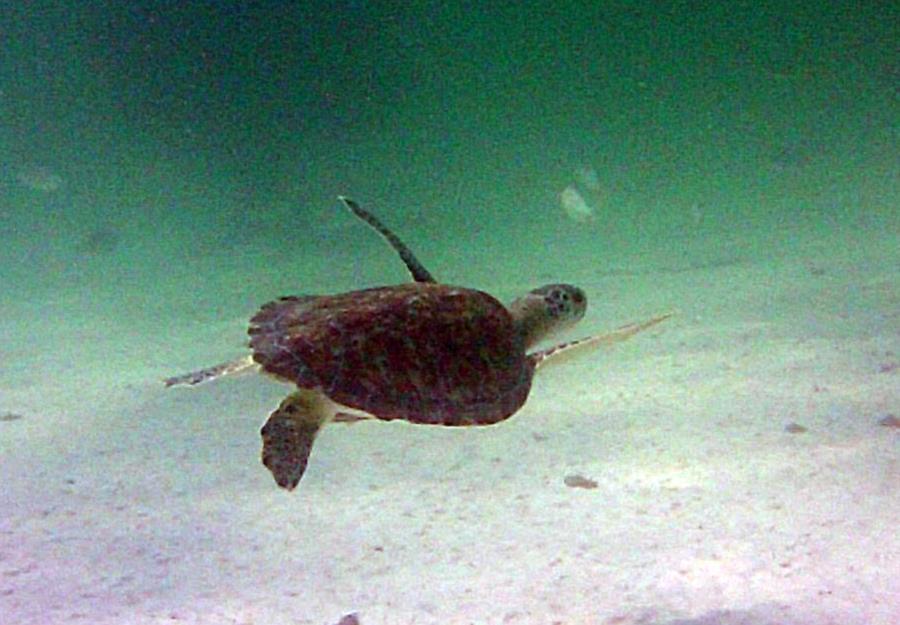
<point>423,352</point>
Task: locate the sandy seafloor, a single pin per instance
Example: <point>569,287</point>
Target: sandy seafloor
<point>124,502</point>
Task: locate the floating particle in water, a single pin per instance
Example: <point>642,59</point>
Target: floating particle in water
<point>38,178</point>
<point>10,416</point>
<point>102,240</point>
<point>575,206</point>
<point>696,211</point>
<point>795,428</point>
<point>792,156</point>
<point>587,177</point>
<point>889,421</point>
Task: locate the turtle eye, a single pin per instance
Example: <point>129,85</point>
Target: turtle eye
<point>562,300</point>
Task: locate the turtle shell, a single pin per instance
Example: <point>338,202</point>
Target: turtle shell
<point>423,352</point>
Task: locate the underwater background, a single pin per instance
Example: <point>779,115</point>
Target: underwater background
<point>168,167</point>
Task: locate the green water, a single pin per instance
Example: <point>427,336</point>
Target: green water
<point>233,126</point>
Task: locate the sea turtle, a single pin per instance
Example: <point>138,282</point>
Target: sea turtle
<point>424,352</point>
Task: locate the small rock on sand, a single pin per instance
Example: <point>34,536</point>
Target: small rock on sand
<point>575,480</point>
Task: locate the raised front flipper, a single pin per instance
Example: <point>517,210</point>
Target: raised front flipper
<point>193,378</point>
<point>416,269</point>
<point>289,434</point>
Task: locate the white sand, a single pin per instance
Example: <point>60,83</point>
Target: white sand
<point>124,502</point>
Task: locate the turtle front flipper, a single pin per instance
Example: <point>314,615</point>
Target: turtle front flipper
<point>416,269</point>
<point>193,378</point>
<point>289,434</point>
<point>558,353</point>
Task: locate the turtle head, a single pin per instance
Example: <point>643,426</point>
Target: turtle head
<point>547,309</point>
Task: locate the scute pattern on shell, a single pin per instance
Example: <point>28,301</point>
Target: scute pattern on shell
<point>423,352</point>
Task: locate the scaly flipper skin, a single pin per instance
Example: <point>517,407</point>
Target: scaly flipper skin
<point>416,269</point>
<point>193,378</point>
<point>558,353</point>
<point>289,434</point>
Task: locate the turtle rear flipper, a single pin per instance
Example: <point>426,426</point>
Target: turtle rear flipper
<point>289,433</point>
<point>193,378</point>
